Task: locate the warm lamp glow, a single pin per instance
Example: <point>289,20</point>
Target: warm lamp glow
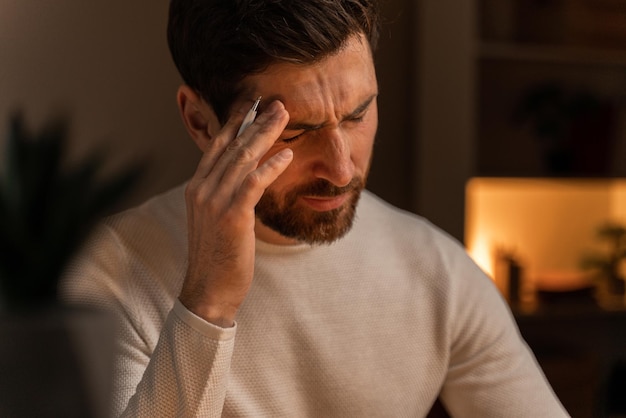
<point>547,225</point>
<point>480,251</point>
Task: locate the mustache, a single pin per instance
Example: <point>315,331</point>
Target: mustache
<point>324,188</point>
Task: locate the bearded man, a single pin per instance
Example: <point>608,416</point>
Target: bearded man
<point>272,284</point>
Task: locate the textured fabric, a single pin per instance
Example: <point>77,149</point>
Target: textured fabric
<point>378,324</point>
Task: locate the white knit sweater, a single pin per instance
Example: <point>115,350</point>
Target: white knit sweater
<point>378,324</point>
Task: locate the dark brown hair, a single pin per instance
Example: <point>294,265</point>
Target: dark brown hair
<point>215,44</point>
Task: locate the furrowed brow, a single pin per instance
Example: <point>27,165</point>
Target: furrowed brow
<point>311,127</point>
<point>360,108</point>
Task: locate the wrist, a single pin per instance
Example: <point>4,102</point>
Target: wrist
<point>221,315</point>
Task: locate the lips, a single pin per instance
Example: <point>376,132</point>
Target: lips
<point>325,203</point>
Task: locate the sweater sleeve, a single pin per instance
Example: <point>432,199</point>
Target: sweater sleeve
<point>492,372</point>
<point>186,375</point>
<point>169,362</point>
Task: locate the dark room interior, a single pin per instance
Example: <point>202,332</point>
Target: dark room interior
<point>503,122</point>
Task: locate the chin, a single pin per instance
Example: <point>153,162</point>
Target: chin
<point>309,226</point>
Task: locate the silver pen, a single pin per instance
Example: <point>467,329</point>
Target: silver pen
<point>250,116</point>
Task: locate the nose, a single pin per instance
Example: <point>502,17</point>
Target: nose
<point>334,163</point>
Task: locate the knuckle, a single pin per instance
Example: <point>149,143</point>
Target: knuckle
<point>189,188</point>
<point>235,144</point>
<point>253,180</point>
<point>191,192</point>
<point>243,155</point>
<point>198,196</point>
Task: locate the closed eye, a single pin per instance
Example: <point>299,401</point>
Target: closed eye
<point>358,118</point>
<point>292,139</point>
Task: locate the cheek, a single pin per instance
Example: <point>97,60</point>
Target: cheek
<point>363,144</point>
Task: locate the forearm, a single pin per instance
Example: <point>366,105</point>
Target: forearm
<point>187,372</point>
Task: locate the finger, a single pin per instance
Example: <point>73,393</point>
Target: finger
<point>255,183</point>
<point>242,155</point>
<point>218,144</point>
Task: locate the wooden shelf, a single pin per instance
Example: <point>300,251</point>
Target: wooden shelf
<point>552,54</point>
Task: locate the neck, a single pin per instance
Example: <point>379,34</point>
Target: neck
<point>270,236</point>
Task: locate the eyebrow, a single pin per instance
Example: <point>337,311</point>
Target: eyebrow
<point>311,127</point>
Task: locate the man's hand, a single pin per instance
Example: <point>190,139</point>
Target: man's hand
<point>221,197</point>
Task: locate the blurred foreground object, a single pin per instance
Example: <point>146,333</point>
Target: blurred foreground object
<point>55,360</point>
<point>46,211</point>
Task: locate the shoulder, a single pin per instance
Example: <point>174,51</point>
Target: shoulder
<point>383,221</point>
<point>161,214</point>
<point>433,257</point>
<point>140,251</point>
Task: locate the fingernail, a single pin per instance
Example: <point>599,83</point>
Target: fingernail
<point>274,107</point>
<point>286,154</point>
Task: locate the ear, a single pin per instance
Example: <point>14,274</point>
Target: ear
<point>198,116</point>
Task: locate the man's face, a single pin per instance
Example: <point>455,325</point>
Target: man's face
<point>333,120</point>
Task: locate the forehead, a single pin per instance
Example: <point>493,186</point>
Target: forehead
<point>336,83</point>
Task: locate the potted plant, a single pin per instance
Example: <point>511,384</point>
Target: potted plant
<point>47,209</point>
<point>609,279</point>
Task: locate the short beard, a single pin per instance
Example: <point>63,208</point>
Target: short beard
<point>304,224</point>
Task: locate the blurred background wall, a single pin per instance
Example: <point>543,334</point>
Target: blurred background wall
<point>104,64</point>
